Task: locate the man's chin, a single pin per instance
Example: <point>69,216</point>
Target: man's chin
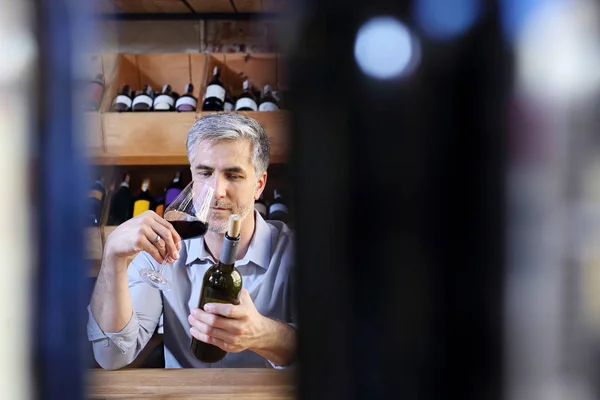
<point>217,224</point>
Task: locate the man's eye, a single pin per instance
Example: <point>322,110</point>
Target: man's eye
<point>235,177</point>
<point>205,174</point>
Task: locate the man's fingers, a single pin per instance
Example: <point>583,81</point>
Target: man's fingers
<point>226,310</point>
<point>174,234</point>
<point>203,337</point>
<point>144,244</point>
<point>167,237</point>
<point>211,331</point>
<point>216,321</point>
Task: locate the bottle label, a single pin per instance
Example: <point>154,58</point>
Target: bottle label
<point>245,102</point>
<point>171,195</point>
<point>122,99</point>
<point>261,208</point>
<point>186,101</point>
<point>215,91</point>
<point>143,98</point>
<point>228,107</point>
<point>163,102</point>
<point>140,206</point>
<point>268,106</point>
<point>96,194</point>
<point>278,207</point>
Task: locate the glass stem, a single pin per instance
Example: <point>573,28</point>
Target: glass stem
<point>162,266</point>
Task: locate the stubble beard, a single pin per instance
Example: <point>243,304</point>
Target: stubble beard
<point>218,222</point>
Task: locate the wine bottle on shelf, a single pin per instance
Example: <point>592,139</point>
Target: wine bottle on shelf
<point>143,99</point>
<point>229,104</point>
<point>247,100</point>
<point>122,101</point>
<point>222,283</point>
<point>93,93</point>
<point>173,189</point>
<point>278,209</point>
<point>215,93</point>
<point>160,204</point>
<point>96,197</point>
<point>267,101</point>
<point>165,100</point>
<point>143,201</point>
<point>187,101</point>
<point>278,95</point>
<point>120,206</point>
<point>261,206</point>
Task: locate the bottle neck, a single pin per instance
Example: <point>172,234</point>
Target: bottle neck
<point>229,252</point>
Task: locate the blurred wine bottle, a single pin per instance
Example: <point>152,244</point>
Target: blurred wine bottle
<point>261,206</point>
<point>165,101</point>
<point>278,209</point>
<point>121,203</point>
<point>187,101</point>
<point>94,92</point>
<point>143,99</point>
<point>144,200</point>
<point>215,93</point>
<point>122,101</point>
<point>173,189</point>
<point>267,100</point>
<point>96,197</point>
<point>247,100</point>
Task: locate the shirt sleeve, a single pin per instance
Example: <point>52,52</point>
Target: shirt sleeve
<point>292,311</point>
<point>114,350</point>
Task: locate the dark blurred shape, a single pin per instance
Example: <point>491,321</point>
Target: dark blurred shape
<point>400,272</point>
<point>59,350</point>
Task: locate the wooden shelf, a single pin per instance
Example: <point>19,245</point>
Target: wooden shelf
<point>142,6</point>
<point>190,6</point>
<point>107,159</point>
<point>152,138</point>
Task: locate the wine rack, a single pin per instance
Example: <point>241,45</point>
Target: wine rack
<point>158,138</point>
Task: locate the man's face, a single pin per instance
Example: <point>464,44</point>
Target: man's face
<point>226,166</point>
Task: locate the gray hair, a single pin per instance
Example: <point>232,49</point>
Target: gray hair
<point>232,126</point>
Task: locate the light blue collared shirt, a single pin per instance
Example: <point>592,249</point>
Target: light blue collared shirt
<point>267,275</point>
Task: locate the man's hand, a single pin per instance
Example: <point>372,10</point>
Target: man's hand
<point>140,234</point>
<point>233,328</point>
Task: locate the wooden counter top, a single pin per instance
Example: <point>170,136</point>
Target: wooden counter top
<point>180,384</point>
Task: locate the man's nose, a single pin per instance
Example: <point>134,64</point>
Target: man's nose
<point>220,187</point>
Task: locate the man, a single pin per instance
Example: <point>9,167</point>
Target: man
<point>231,152</point>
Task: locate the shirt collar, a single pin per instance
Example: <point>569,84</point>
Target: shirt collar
<point>259,251</point>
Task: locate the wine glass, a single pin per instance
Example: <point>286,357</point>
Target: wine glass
<point>188,214</point>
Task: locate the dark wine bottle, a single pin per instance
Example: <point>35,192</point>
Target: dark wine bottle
<point>93,93</point>
<point>229,103</point>
<point>96,197</point>
<point>165,100</point>
<point>222,283</point>
<point>214,99</point>
<point>120,206</point>
<point>160,204</point>
<point>278,95</point>
<point>173,189</point>
<point>143,100</point>
<point>278,209</point>
<point>261,206</point>
<point>143,201</point>
<point>267,101</point>
<point>187,101</point>
<point>122,101</point>
<point>247,100</point>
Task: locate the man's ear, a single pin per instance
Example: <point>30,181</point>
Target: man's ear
<point>260,185</point>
